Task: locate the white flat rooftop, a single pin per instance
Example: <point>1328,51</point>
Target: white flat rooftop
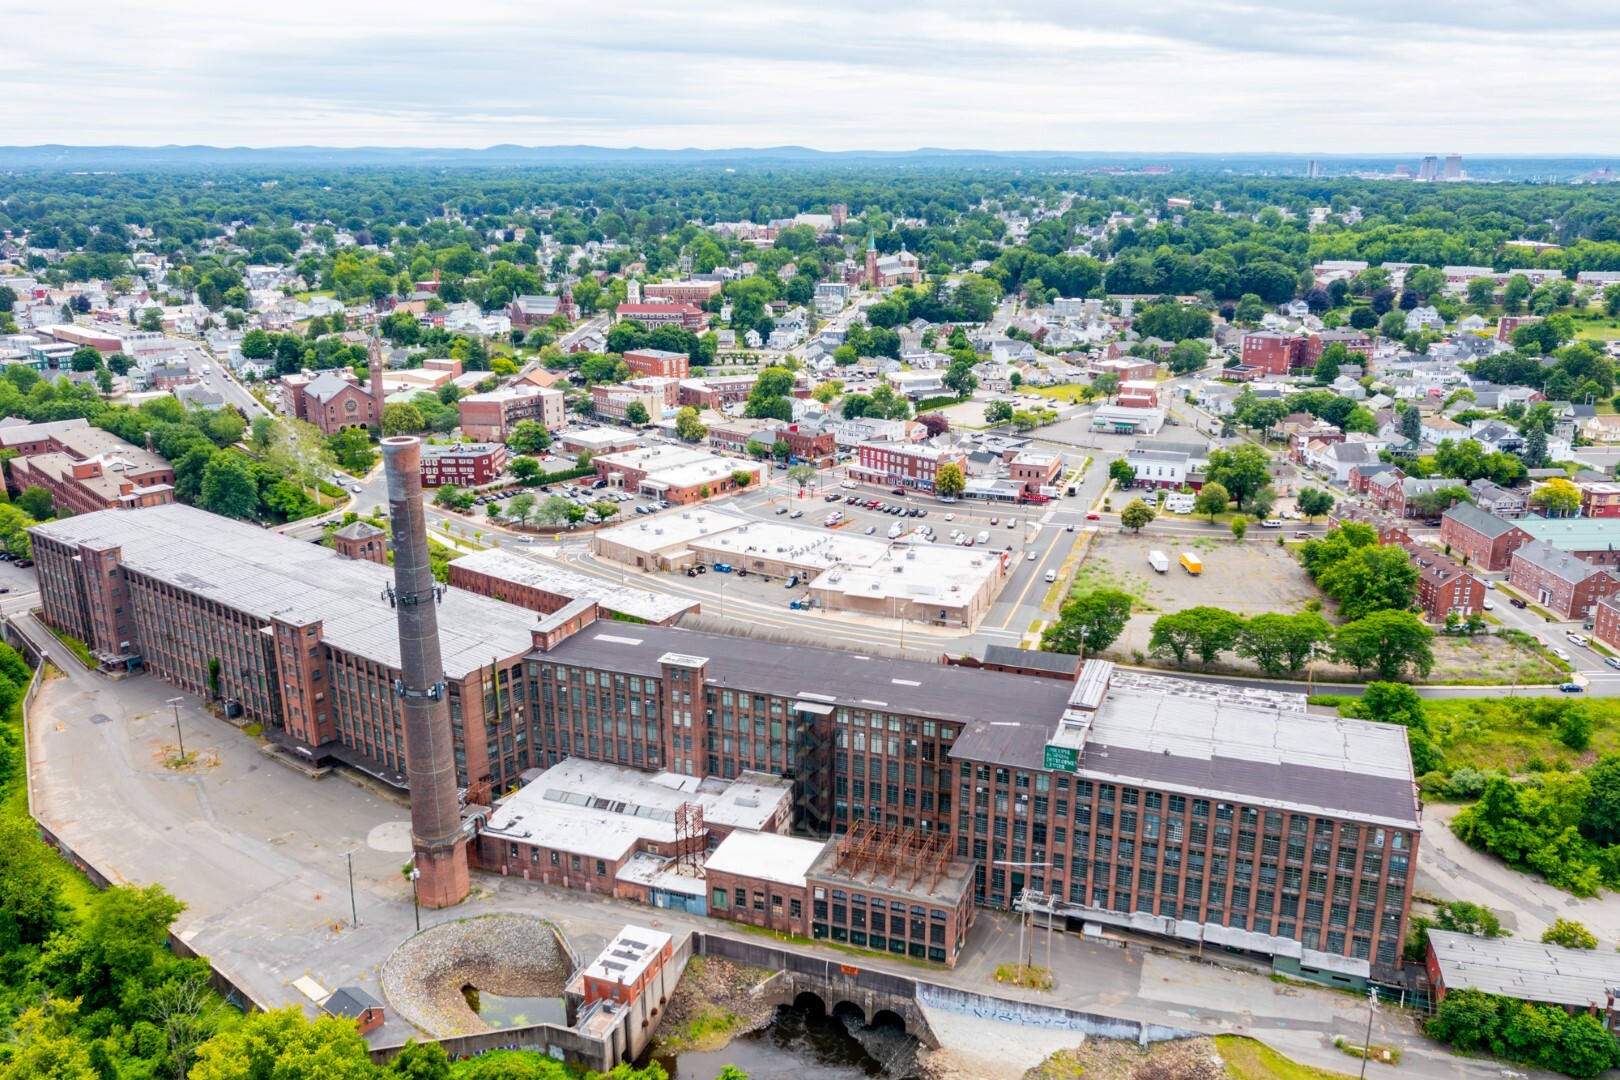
<point>628,955</point>
<point>671,529</point>
<point>537,573</point>
<point>769,856</point>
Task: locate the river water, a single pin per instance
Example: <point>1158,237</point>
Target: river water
<point>808,1045</point>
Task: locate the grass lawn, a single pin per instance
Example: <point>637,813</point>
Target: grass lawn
<point>1099,573</point>
<point>1247,1059</point>
<point>1062,392</point>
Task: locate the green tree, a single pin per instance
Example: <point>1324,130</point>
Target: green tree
<point>949,481</point>
<point>1333,357</point>
<point>960,380</point>
<point>1242,471</point>
<point>1088,623</point>
<point>998,412</point>
<point>525,470</point>
<point>802,475</point>
<point>1314,502</point>
<point>1187,357</point>
<point>1514,294</point>
<point>1601,818</point>
<point>228,487</point>
<point>688,426</point>
<point>1570,934</point>
<point>1557,498</point>
<point>1212,499</point>
<point>1281,644</point>
<point>741,478</point>
<point>1202,631</point>
<point>1240,527</point>
<point>402,418</point>
<point>36,502</point>
<point>528,437</point>
<point>637,414</point>
<point>1121,473</point>
<point>1386,642</point>
<point>605,509</point>
<point>282,1043</point>
<point>556,511</point>
<point>1136,516</point>
<point>521,508</point>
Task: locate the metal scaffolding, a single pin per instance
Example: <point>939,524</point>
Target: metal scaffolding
<point>895,852</point>
<point>690,839</point>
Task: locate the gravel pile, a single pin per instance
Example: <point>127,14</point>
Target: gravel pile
<point>508,955</point>
<point>711,984</point>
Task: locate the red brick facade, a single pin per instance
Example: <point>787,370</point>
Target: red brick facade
<point>1271,353</point>
<point>671,365</point>
<point>463,464</point>
<point>1484,540</point>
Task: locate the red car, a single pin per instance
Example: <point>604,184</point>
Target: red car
<point>1093,516</point>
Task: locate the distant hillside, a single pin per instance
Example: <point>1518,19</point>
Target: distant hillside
<point>131,158</point>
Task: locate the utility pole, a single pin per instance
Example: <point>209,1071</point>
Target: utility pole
<point>1366,1046</point>
<point>354,910</point>
<point>179,737</point>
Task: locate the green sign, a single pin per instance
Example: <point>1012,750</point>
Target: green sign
<point>1062,758</point>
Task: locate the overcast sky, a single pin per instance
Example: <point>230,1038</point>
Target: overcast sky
<point>1399,76</point>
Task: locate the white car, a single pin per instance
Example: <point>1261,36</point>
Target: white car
<point>950,517</point>
<point>1560,653</point>
<point>1577,639</point>
<point>1490,585</point>
<point>1031,557</point>
<point>1488,605</point>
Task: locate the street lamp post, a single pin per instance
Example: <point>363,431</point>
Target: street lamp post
<point>354,910</point>
<point>179,737</point>
<point>1366,1046</point>
<point>416,902</point>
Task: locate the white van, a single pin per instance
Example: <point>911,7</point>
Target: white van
<point>1051,576</point>
<point>983,537</point>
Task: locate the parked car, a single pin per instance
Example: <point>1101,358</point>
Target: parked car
<point>1612,661</point>
<point>870,529</point>
<point>897,491</point>
<point>1490,585</point>
<point>1516,602</point>
<point>1488,605</point>
<point>1031,557</point>
<point>24,563</point>
<point>995,521</point>
<point>781,510</point>
<point>797,514</point>
<point>1571,688</point>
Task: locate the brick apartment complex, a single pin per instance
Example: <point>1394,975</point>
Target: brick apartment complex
<point>1271,353</point>
<point>695,293</point>
<point>1483,540</point>
<point>684,315</point>
<point>86,468</point>
<point>905,464</point>
<point>1559,580</point>
<point>1216,815</point>
<point>1396,493</point>
<point>659,362</point>
<point>462,464</point>
<point>1444,586</point>
<point>1354,341</point>
<point>1606,621</point>
<point>491,417</point>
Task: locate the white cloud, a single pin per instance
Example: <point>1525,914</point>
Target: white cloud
<point>1240,75</point>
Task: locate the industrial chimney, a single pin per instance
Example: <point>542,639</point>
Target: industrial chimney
<point>436,837</point>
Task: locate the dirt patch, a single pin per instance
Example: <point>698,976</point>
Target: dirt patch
<point>716,1001</point>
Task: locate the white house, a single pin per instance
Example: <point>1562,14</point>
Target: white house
<point>1424,318</point>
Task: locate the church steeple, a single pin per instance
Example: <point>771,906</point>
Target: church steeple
<point>375,363</point>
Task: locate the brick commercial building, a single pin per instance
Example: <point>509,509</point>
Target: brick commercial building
<point>717,391</point>
<point>806,444</point>
<point>1574,980</point>
<point>684,315</point>
<point>1599,500</point>
<point>86,468</point>
<point>462,464</point>
<point>1483,540</point>
<point>1271,353</point>
<point>613,402</point>
<point>662,362</point>
<point>905,464</point>
<point>696,293</point>
<point>1202,813</point>
<point>1606,621</point>
<point>491,417</point>
<point>1159,806</point>
<point>1560,581</point>
<point>548,587</point>
<point>1444,586</point>
<point>1034,469</point>
<point>305,638</point>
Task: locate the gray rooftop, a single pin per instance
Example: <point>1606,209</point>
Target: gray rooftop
<point>1481,521</point>
<point>822,676</point>
<point>268,575</point>
<point>1528,970</point>
<point>1255,746</point>
<point>1558,562</point>
<point>1012,656</point>
<point>555,578</point>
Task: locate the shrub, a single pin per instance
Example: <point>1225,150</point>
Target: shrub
<point>1570,934</point>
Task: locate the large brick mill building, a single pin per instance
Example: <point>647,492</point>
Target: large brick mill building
<point>1226,817</point>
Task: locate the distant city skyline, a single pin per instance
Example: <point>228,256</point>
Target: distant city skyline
<point>1436,77</point>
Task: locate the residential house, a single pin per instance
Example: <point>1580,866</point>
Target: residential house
<point>1599,499</point>
<point>1495,499</point>
<point>1436,429</point>
<point>1602,429</point>
<point>1337,459</point>
<point>1424,318</point>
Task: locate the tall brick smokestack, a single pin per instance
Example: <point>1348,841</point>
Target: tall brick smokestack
<point>430,766</point>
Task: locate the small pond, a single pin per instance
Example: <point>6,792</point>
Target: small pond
<point>808,1044</point>
<point>514,1012</point>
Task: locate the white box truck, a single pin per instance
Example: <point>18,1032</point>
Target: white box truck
<point>1159,561</point>
<point>1179,503</point>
